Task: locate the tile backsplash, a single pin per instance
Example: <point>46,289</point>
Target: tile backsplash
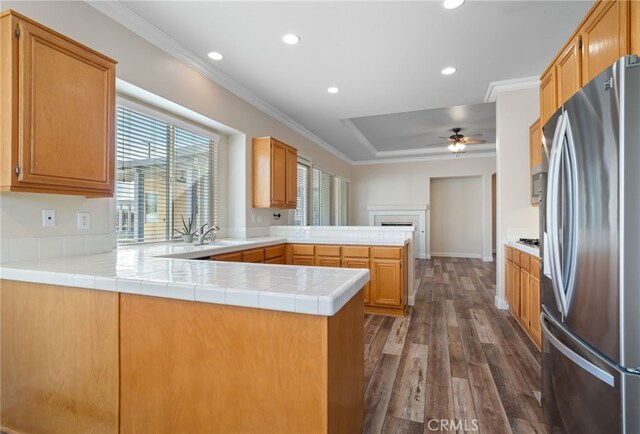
<point>26,249</point>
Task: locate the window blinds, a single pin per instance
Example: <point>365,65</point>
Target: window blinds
<point>321,198</point>
<point>164,173</point>
<point>341,201</point>
<point>301,213</point>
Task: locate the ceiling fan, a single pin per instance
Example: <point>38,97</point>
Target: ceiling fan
<point>458,142</point>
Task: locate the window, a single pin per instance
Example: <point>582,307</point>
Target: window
<point>341,201</point>
<point>323,199</point>
<point>165,173</point>
<point>301,213</point>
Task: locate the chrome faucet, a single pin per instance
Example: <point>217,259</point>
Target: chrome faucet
<point>202,234</point>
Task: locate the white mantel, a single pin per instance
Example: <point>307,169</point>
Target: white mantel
<point>416,213</point>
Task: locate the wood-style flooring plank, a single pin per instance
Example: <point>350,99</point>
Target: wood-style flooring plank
<point>393,425</point>
<point>453,359</point>
<point>378,393</point>
<point>408,396</point>
<point>491,415</point>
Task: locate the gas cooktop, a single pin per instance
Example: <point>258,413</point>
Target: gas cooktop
<point>530,241</point>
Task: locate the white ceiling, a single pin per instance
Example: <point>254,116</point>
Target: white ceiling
<point>385,57</point>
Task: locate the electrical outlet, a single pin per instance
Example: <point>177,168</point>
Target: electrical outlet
<point>259,218</point>
<point>84,220</point>
<point>48,218</point>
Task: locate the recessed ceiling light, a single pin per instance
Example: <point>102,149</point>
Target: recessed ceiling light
<point>215,55</point>
<point>291,39</point>
<point>333,89</point>
<point>448,70</point>
<point>452,4</point>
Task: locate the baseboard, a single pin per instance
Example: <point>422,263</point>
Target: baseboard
<point>488,259</point>
<point>457,255</point>
<point>423,256</point>
<point>412,300</point>
<point>501,303</point>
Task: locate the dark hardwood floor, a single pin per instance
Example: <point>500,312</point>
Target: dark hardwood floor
<point>455,363</point>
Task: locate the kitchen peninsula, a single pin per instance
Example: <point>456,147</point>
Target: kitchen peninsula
<point>129,341</point>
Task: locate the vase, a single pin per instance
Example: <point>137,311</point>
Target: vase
<point>187,238</point>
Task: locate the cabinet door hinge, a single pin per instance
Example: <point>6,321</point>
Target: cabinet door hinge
<point>17,32</point>
<point>17,170</point>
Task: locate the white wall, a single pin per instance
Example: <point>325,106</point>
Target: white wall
<point>148,67</point>
<point>407,183</point>
<point>456,217</point>
<point>515,112</point>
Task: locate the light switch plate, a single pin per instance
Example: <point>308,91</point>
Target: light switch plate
<point>84,220</point>
<point>48,218</point>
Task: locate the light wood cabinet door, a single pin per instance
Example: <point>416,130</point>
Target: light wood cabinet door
<point>228,257</point>
<point>534,309</point>
<point>548,95</point>
<point>302,260</point>
<point>525,294</point>
<point>63,119</point>
<point>535,145</point>
<point>508,282</point>
<point>634,27</point>
<point>386,282</point>
<point>275,168</point>
<point>327,261</point>
<point>359,263</point>
<point>603,38</point>
<point>514,306</point>
<point>568,71</point>
<point>255,256</point>
<point>291,193</point>
<point>280,260</point>
<point>278,174</point>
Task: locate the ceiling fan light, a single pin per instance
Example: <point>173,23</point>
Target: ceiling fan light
<point>452,147</point>
<point>461,146</point>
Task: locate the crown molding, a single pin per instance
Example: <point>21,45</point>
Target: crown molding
<point>496,87</point>
<point>424,152</point>
<point>361,137</point>
<point>143,28</point>
<point>425,158</point>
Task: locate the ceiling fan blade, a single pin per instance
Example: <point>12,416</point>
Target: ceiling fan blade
<point>474,142</point>
<point>475,135</point>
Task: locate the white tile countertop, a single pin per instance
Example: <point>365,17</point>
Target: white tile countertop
<point>532,250</point>
<point>307,290</point>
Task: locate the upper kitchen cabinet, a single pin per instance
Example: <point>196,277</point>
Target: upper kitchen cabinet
<point>535,145</point>
<point>634,26</point>
<point>58,112</point>
<point>275,166</point>
<point>610,30</point>
<point>568,71</point>
<point>548,95</point>
<point>604,36</point>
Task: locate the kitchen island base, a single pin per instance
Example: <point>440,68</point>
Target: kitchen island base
<point>184,366</point>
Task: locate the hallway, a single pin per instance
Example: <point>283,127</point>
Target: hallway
<point>454,363</point>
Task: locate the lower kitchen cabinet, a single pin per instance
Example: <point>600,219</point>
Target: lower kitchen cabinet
<point>522,288</point>
<point>386,275</point>
<point>387,290</point>
<point>360,263</point>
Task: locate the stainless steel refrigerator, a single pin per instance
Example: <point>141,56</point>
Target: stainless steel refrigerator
<point>590,248</point>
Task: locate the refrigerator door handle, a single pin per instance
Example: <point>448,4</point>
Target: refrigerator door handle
<point>552,198</point>
<point>573,212</point>
<point>594,370</point>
